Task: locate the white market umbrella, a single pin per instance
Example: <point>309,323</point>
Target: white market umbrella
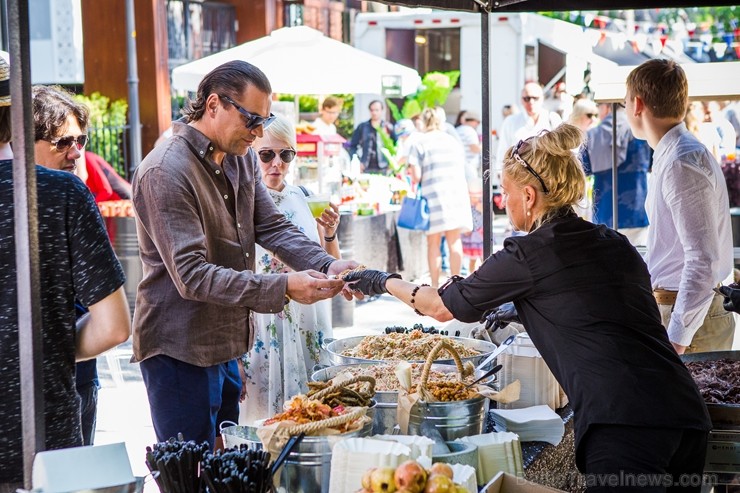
<point>301,60</point>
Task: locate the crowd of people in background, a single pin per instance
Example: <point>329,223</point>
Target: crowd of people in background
<point>666,157</point>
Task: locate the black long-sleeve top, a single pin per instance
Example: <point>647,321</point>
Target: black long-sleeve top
<point>583,293</point>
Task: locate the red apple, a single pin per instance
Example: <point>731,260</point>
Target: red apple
<point>442,468</point>
<point>411,476</point>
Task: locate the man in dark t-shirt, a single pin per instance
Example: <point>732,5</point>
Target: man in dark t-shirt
<point>76,261</point>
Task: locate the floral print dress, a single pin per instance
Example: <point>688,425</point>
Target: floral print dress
<point>287,344</point>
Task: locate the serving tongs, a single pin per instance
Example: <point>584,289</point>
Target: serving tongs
<point>504,345</point>
<point>489,373</point>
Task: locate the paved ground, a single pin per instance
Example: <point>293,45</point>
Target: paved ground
<point>123,410</point>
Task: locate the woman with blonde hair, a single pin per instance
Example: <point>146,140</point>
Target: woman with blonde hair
<point>584,115</point>
<point>583,293</point>
<point>287,344</point>
<point>437,162</point>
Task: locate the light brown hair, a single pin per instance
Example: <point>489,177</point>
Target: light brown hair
<point>663,87</point>
<point>331,102</point>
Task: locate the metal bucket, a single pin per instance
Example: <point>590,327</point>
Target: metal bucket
<point>125,243</point>
<point>452,419</point>
<point>234,435</point>
<point>308,468</point>
<point>385,418</point>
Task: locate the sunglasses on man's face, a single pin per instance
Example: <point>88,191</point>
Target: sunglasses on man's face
<point>63,144</point>
<point>592,115</point>
<point>252,121</point>
<point>267,155</point>
<point>527,99</point>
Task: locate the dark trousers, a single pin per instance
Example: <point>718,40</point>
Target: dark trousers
<point>640,459</point>
<point>189,399</point>
<point>88,411</point>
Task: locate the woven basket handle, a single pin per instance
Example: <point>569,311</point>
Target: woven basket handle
<point>432,356</point>
<point>315,426</point>
<point>360,378</point>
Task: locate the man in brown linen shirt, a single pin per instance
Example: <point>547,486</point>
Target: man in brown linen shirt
<point>201,207</point>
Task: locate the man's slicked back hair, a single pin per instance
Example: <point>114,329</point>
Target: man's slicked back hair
<point>230,79</point>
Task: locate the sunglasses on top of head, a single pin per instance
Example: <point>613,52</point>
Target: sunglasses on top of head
<point>518,158</point>
<point>252,121</point>
<point>267,155</point>
<point>63,144</point>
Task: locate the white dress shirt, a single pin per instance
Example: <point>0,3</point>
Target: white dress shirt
<point>690,237</point>
<point>522,126</point>
<point>323,128</point>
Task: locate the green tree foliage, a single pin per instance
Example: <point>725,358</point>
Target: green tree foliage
<point>434,90</point>
<point>717,17</point>
<point>106,128</point>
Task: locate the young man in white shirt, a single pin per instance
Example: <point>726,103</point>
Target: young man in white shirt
<point>519,126</point>
<point>330,109</point>
<point>690,236</point>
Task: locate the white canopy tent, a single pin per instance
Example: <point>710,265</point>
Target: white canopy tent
<point>301,60</point>
<point>707,81</point>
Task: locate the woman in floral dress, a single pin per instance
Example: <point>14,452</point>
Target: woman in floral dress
<point>287,344</point>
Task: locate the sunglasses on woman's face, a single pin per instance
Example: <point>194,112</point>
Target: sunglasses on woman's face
<point>267,155</point>
<point>252,121</point>
<point>63,144</point>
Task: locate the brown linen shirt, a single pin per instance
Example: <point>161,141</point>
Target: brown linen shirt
<point>197,225</point>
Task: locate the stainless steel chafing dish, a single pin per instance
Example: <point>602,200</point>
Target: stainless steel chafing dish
<point>335,347</point>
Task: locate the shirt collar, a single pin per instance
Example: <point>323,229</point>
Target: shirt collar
<point>200,143</point>
<point>668,139</point>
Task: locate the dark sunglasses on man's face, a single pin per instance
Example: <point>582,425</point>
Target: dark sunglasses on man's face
<point>252,121</point>
<point>591,115</point>
<point>527,99</point>
<point>267,155</point>
<point>63,144</point>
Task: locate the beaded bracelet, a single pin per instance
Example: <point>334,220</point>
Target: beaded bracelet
<point>413,295</point>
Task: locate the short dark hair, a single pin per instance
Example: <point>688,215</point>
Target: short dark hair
<point>6,130</point>
<point>376,101</point>
<point>52,105</point>
<point>229,79</point>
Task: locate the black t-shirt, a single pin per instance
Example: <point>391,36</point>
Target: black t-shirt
<point>584,295</point>
<point>76,262</point>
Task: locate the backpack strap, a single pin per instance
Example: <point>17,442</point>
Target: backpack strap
<point>304,190</point>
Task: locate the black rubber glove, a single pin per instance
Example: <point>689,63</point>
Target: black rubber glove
<point>500,317</point>
<point>370,282</point>
<point>732,297</point>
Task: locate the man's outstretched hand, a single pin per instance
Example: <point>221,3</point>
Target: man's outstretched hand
<point>369,282</point>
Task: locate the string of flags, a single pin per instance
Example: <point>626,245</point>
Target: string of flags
<point>689,36</point>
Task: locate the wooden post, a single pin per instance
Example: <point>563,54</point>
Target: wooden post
<point>106,64</point>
